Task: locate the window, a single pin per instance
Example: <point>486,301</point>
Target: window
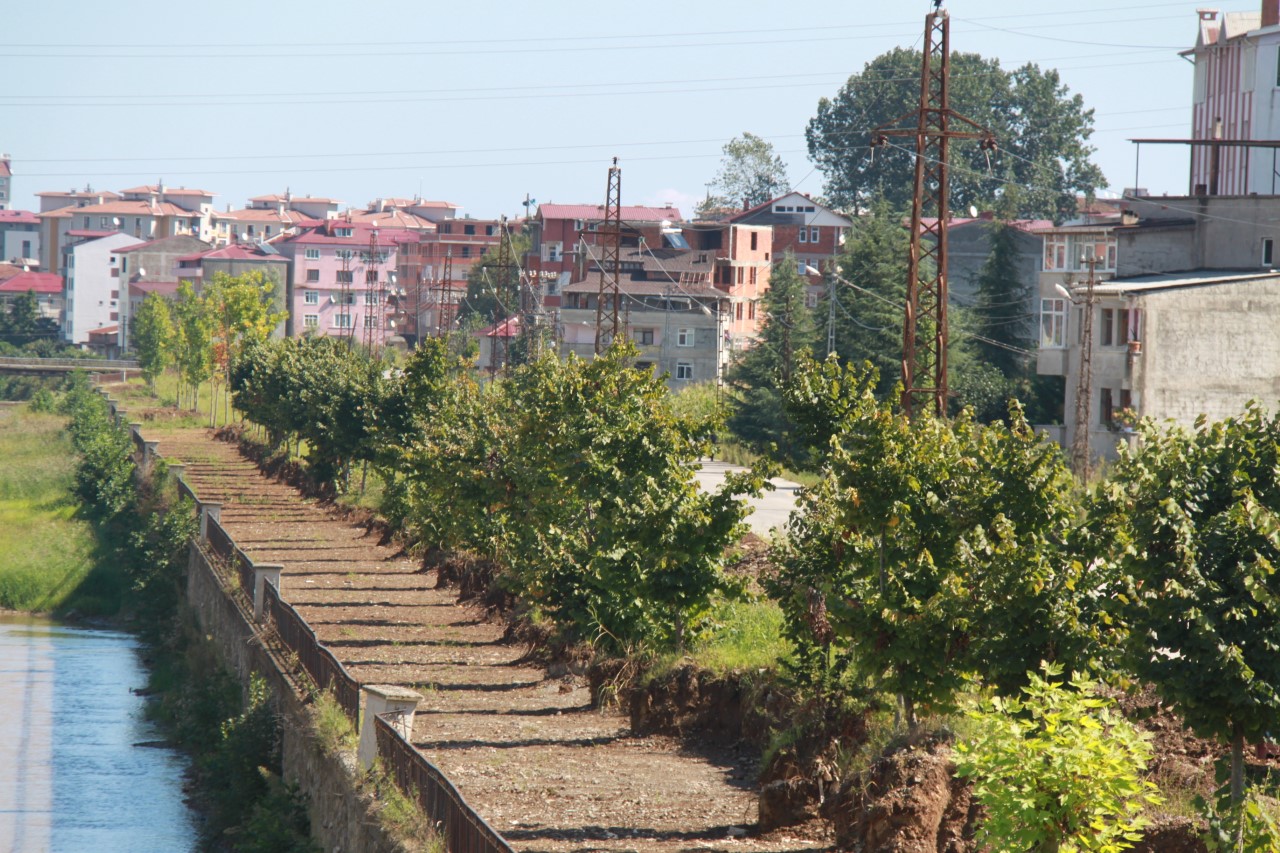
<point>371,299</point>
<point>684,338</point>
<point>345,276</point>
<point>738,312</point>
<point>338,232</point>
<point>468,229</point>
<point>466,251</point>
<point>370,276</point>
<point>344,298</point>
<point>684,370</point>
<point>115,273</point>
<point>1055,252</point>
<point>1053,323</point>
<point>1106,411</point>
<point>800,267</point>
<point>104,222</point>
<point>312,254</point>
<point>1268,246</point>
<point>311,297</point>
<point>490,230</point>
<point>370,321</point>
<point>751,311</point>
<point>740,277</point>
<point>313,275</point>
<point>552,252</point>
<point>446,228</point>
<point>811,300</point>
<point>1117,327</point>
<point>644,337</point>
<point>342,321</point>
<point>1108,328</point>
<point>813,235</point>
<point>310,321</point>
<point>804,235</point>
<point>754,235</point>
<point>344,254</point>
<point>86,222</point>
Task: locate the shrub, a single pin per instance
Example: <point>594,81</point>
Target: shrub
<point>1057,770</point>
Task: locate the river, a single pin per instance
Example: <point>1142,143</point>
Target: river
<point>72,777</point>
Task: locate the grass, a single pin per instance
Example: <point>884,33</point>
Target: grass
<point>739,454</point>
<point>743,636</point>
<point>333,727</point>
<point>134,395</point>
<point>46,553</point>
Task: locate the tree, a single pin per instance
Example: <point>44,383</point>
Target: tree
<point>1001,317</point>
<point>786,336</point>
<point>1194,522</point>
<point>936,549</point>
<point>1042,131</point>
<point>751,173</point>
<point>193,340</point>
<point>152,337</point>
<point>493,292</point>
<point>240,310</point>
<point>868,311</point>
<point>20,324</point>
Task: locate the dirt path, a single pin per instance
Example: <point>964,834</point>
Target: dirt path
<point>526,750</point>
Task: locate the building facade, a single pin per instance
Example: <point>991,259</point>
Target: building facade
<point>94,285</point>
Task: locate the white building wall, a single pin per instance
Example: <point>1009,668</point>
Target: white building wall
<point>13,244</point>
<point>90,283</point>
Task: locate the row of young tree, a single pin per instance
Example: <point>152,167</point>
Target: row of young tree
<point>571,482</point>
<point>200,334</point>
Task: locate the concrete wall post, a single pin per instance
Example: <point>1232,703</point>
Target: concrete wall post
<point>263,574</point>
<point>397,704</point>
<point>207,510</point>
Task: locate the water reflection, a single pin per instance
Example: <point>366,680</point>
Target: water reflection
<point>71,776</point>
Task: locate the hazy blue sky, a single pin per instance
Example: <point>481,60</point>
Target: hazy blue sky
<point>480,103</point>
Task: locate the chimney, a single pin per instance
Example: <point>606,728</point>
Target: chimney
<point>1270,13</point>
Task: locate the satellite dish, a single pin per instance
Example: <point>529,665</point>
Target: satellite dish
<point>116,220</point>
<point>142,272</point>
<point>973,212</point>
<point>244,236</point>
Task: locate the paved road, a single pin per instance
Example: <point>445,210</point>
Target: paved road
<point>770,510</point>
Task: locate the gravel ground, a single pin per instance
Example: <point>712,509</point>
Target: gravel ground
<point>526,750</point>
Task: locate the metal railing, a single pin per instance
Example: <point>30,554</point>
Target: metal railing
<point>82,363</point>
<point>319,662</point>
<point>185,493</point>
<point>219,542</point>
<point>464,831</point>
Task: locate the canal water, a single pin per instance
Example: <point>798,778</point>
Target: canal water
<point>73,777</point>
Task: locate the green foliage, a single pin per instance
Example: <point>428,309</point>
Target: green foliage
<point>493,291</point>
<point>935,550</point>
<point>868,315</point>
<point>751,173</point>
<point>1002,304</point>
<point>1035,119</point>
<point>787,335</point>
<point>576,479</point>
<point>1057,770</point>
<point>192,341</point>
<point>151,336</point>
<point>1191,521</point>
<point>1248,826</point>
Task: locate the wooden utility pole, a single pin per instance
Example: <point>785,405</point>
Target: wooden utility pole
<point>1081,456</point>
<point>924,357</point>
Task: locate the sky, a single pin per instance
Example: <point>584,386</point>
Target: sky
<point>488,104</point>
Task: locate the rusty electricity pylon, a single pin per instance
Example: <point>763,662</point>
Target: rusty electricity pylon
<point>445,307</point>
<point>924,330</point>
<point>374,296</point>
<point>1081,454</point>
<point>607,327</point>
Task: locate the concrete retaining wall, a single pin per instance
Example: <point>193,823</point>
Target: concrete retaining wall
<point>340,816</point>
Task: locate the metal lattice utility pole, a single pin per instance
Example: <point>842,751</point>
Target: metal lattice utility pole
<point>373,293</point>
<point>924,337</point>
<point>1081,456</point>
<point>445,306</point>
<point>607,326</point>
<point>506,292</point>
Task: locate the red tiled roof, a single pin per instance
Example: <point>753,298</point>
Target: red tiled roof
<point>104,331</point>
<point>292,198</point>
<point>262,214</point>
<point>508,328</point>
<point>4,169</point>
<point>164,288</point>
<point>133,208</point>
<point>21,217</point>
<point>78,194</point>
<point>236,252</point>
<point>89,232</point>
<point>37,282</point>
<point>360,237</point>
<point>136,246</point>
<point>596,211</point>
<point>155,188</point>
<point>392,218</point>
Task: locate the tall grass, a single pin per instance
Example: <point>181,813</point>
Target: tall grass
<point>45,552</point>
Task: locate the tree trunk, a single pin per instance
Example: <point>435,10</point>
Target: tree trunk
<point>909,708</point>
<point>1237,763</point>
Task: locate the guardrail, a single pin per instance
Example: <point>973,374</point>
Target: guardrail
<point>464,831</point>
<point>89,364</point>
<point>319,662</point>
